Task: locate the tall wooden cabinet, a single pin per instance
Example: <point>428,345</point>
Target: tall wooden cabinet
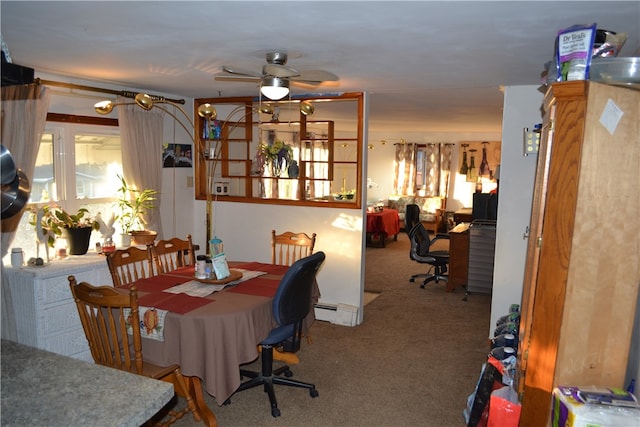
<point>583,259</point>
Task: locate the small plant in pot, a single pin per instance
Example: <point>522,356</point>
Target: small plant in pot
<point>132,206</point>
<point>51,221</point>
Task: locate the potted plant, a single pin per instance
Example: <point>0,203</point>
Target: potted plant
<point>132,205</point>
<point>51,221</point>
<point>277,156</point>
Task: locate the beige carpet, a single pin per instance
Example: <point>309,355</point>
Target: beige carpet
<point>370,296</point>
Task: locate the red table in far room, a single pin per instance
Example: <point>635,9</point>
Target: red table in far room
<point>382,225</point>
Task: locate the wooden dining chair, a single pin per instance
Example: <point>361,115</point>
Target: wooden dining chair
<point>130,264</point>
<point>102,315</point>
<point>172,254</point>
<point>288,247</point>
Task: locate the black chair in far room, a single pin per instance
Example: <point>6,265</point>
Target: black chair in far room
<point>411,217</point>
<point>422,253</point>
<point>291,304</point>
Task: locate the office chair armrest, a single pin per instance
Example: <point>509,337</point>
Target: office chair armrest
<point>440,236</point>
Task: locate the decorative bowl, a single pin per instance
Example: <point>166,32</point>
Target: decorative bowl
<point>623,71</point>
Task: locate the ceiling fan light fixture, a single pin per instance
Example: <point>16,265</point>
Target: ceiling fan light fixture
<point>274,88</point>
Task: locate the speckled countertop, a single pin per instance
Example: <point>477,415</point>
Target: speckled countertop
<point>39,388</point>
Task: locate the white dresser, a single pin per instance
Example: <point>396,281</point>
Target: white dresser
<point>46,316</point>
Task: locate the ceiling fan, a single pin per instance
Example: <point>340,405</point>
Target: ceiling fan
<point>276,75</point>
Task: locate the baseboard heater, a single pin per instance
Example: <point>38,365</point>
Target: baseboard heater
<point>339,314</point>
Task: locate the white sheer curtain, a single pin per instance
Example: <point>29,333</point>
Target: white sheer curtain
<point>141,135</point>
<point>24,114</point>
<point>405,169</point>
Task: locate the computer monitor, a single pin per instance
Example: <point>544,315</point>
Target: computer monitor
<point>485,206</point>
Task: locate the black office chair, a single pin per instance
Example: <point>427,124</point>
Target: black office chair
<point>291,304</point>
<point>421,252</point>
<point>411,217</point>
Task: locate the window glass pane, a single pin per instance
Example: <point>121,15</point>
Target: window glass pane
<point>43,187</point>
<point>98,160</point>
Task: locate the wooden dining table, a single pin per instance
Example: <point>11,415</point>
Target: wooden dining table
<point>211,336</point>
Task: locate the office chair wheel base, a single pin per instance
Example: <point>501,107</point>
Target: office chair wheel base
<point>313,392</point>
<point>275,412</point>
<point>413,279</point>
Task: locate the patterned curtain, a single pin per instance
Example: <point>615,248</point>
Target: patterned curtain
<point>436,161</point>
<point>432,170</point>
<point>405,169</point>
<point>446,154</point>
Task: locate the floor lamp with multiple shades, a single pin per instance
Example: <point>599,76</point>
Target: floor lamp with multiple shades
<point>147,102</point>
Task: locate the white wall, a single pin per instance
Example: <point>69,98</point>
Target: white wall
<point>517,175</point>
<point>245,229</point>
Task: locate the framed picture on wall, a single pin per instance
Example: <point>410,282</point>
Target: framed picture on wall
<point>177,156</point>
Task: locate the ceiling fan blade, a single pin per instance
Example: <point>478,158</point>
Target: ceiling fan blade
<point>316,76</point>
<point>277,70</point>
<point>236,77</point>
<point>305,84</point>
<point>241,71</point>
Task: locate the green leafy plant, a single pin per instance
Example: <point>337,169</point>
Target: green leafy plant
<point>277,156</point>
<point>53,219</point>
<point>132,205</point>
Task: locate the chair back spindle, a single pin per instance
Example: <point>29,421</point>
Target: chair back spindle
<point>173,253</point>
<point>130,264</point>
<point>288,247</point>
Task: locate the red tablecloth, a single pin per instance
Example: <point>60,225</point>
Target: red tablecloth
<point>386,222</point>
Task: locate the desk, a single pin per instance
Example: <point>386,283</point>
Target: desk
<point>213,339</point>
<point>383,224</point>
<point>458,256</point>
<point>43,388</point>
<point>463,215</point>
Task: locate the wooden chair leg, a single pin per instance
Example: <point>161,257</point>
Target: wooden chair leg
<point>195,387</point>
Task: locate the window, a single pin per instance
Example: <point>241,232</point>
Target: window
<point>76,166</point>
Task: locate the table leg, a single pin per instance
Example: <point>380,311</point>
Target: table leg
<point>195,385</point>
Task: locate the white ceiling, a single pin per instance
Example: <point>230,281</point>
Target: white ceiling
<point>428,66</point>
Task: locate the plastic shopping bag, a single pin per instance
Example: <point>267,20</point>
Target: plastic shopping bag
<point>504,408</point>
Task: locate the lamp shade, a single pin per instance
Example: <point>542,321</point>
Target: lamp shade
<point>103,107</point>
<point>307,108</point>
<point>274,88</point>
